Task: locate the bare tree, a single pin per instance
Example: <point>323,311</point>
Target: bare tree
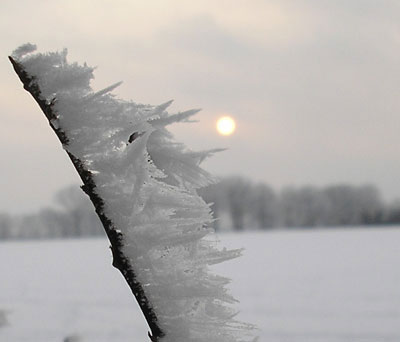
<point>80,218</point>
<point>6,225</point>
<point>238,197</point>
<point>263,206</point>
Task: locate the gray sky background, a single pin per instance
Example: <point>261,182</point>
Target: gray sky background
<point>314,85</point>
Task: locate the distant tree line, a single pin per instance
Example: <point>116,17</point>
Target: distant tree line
<point>237,203</point>
<point>241,204</point>
<point>74,217</point>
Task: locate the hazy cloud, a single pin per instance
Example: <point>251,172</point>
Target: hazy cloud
<point>312,84</point>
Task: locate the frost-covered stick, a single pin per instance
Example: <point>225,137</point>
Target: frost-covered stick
<point>143,186</point>
<point>114,235</point>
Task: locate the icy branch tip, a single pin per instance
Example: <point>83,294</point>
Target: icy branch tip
<point>23,50</point>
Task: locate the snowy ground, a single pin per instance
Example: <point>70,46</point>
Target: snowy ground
<point>299,286</point>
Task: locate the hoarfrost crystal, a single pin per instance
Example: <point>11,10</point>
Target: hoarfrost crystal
<point>148,183</point>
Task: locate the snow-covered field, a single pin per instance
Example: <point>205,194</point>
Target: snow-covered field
<point>298,286</point>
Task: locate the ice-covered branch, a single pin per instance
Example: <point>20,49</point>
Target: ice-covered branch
<point>114,235</point>
<point>143,187</point>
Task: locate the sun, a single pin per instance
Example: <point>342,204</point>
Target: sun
<point>226,125</point>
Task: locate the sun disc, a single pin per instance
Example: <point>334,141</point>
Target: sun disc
<point>226,125</point>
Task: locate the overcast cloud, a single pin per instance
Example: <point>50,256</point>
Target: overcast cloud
<point>313,85</point>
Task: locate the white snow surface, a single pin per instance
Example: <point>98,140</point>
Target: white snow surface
<point>148,183</point>
<point>339,285</point>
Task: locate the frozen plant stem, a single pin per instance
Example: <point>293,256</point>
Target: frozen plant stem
<point>114,235</point>
<point>143,185</point>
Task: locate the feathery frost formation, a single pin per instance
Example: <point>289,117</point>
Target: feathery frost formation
<point>148,183</point>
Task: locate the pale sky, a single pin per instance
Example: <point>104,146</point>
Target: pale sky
<point>314,86</point>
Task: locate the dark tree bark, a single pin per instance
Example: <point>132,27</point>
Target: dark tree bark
<point>89,187</point>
